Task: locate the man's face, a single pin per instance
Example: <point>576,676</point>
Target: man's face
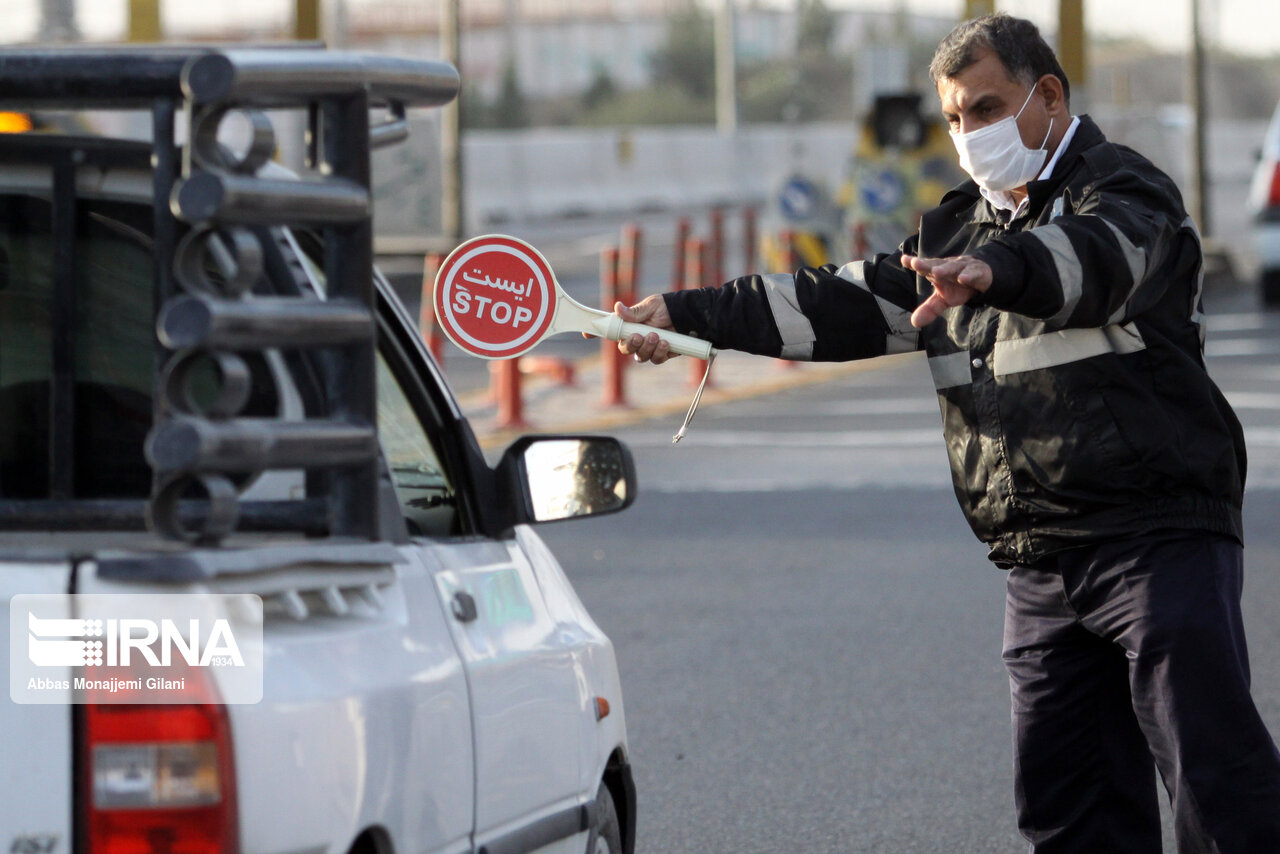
<point>984,93</point>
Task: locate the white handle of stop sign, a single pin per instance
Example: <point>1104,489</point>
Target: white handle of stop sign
<point>573,316</point>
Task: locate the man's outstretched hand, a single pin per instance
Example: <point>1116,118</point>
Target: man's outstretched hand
<point>955,281</point>
<point>651,311</point>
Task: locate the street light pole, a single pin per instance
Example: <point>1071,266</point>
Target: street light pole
<point>977,8</point>
<point>1072,50</point>
<point>58,21</point>
<point>145,24</point>
<point>1199,145</point>
<point>726,69</point>
<point>306,20</point>
<point>453,214</point>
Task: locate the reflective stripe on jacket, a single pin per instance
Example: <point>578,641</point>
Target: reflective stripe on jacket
<point>1076,404</point>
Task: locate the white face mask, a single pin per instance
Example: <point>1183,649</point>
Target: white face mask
<point>995,156</point>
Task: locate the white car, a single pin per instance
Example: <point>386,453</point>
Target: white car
<point>193,345</point>
<point>1264,203</point>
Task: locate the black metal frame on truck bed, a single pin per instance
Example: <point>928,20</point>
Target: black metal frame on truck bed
<point>200,456</point>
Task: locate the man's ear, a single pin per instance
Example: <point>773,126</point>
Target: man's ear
<point>1050,88</point>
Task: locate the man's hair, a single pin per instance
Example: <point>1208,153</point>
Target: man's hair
<point>1015,42</point>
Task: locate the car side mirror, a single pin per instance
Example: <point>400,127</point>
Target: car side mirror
<point>549,478</point>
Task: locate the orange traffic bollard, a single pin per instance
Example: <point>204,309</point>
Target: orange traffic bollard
<point>694,277</point>
<point>427,326</point>
<point>859,240</point>
<point>715,257</point>
<point>791,255</point>
<point>504,384</point>
<point>629,265</point>
<point>612,361</point>
<point>791,261</point>
<point>682,239</point>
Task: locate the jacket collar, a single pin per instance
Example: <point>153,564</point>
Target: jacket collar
<point>1087,135</point>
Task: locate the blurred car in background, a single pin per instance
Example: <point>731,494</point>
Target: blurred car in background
<point>1264,204</point>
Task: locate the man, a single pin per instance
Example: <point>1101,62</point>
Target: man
<point>1057,296</point>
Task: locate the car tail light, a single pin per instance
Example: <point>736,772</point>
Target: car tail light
<point>158,779</point>
<point>1273,193</point>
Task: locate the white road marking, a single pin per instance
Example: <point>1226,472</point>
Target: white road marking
<point>797,439</point>
<point>1261,437</point>
<point>1246,322</point>
<point>853,406</point>
<point>1252,400</point>
<point>1234,347</point>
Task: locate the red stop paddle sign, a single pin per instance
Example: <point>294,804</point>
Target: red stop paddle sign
<point>496,297</point>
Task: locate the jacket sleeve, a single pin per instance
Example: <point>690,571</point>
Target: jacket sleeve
<point>1108,260</point>
<point>857,311</point>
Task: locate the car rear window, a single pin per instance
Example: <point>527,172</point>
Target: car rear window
<point>112,357</point>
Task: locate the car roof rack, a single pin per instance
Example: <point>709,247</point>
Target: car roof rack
<point>198,454</point>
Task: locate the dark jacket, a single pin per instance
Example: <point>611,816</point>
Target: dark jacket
<point>1076,405</point>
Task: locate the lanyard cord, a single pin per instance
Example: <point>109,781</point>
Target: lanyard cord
<point>697,396</point>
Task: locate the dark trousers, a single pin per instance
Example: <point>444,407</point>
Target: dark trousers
<point>1125,658</point>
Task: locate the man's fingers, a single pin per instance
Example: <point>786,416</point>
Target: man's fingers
<point>647,348</point>
<point>964,271</point>
<point>939,269</point>
<point>928,311</point>
<point>926,266</point>
<point>977,275</point>
<point>651,310</point>
<point>955,281</point>
<point>916,264</point>
<point>947,271</point>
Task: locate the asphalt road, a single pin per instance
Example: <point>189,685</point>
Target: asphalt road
<point>808,633</point>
